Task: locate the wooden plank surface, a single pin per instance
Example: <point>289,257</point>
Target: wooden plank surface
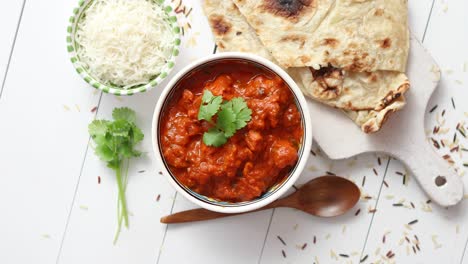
<point>59,212</point>
<point>45,108</point>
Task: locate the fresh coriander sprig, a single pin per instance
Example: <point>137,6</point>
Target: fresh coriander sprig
<point>115,144</point>
<point>233,115</point>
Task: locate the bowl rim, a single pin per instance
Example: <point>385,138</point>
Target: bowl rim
<point>307,137</point>
<point>166,70</point>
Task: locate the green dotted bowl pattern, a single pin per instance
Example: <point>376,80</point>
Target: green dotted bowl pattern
<point>72,46</point>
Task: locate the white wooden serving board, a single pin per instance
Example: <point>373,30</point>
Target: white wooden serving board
<point>402,137</point>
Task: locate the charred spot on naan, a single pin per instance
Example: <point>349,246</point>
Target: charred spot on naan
<point>385,43</point>
<point>290,9</point>
<point>330,82</point>
<point>393,96</point>
<point>330,42</point>
<point>301,39</point>
<point>379,12</point>
<point>220,26</point>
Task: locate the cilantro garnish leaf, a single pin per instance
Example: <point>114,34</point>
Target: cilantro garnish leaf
<point>209,106</point>
<point>242,111</point>
<point>214,137</point>
<point>115,144</point>
<point>124,113</point>
<point>98,128</point>
<point>227,120</point>
<point>231,116</point>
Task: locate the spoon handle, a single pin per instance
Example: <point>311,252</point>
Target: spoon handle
<point>203,214</point>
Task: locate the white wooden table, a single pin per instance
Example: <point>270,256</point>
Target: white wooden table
<point>52,208</point>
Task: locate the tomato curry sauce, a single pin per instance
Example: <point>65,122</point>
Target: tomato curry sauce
<point>253,160</point>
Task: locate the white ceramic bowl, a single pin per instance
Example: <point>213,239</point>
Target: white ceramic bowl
<point>276,191</point>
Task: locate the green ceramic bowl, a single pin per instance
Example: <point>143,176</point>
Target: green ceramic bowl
<point>72,47</point>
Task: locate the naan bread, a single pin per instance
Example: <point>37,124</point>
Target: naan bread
<point>353,35</point>
<point>352,90</point>
<point>233,33</point>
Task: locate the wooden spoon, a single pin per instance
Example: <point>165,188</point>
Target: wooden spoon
<point>325,196</point>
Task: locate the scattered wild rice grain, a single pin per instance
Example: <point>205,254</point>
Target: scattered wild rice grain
<point>407,239</point>
<point>435,143</point>
<point>282,241</point>
<point>433,109</point>
<point>357,212</point>
<point>372,211</point>
<point>99,179</point>
<point>331,173</point>
<point>363,181</point>
<point>93,109</point>
<point>443,113</point>
<point>295,187</point>
<point>379,161</point>
<point>414,249</point>
<point>158,198</point>
<point>399,173</point>
<point>455,149</point>
<point>188,13</point>
<point>397,204</point>
<point>160,173</point>
<point>284,253</point>
<point>141,171</point>
<point>313,153</point>
<point>413,222</point>
<point>417,247</point>
<point>344,255</point>
<point>429,201</point>
<point>404,179</point>
<point>364,259</point>
<point>383,239</point>
<point>304,246</point>
<point>454,137</point>
<point>412,205</point>
<point>453,104</point>
<point>385,183</point>
<point>375,172</point>
<point>315,239</point>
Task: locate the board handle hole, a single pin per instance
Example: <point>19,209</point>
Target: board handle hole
<point>440,181</point>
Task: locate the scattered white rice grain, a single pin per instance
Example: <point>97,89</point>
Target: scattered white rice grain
<point>66,108</point>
